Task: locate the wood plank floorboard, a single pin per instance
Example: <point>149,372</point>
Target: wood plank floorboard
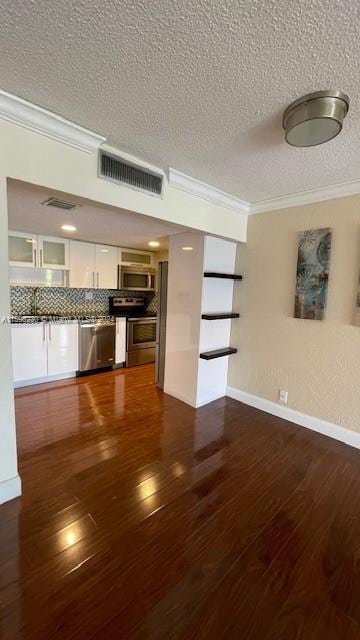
<point>143,518</point>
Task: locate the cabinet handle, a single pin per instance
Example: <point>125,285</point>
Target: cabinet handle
<point>43,331</point>
<point>97,279</point>
<point>35,258</point>
<point>93,279</point>
<point>49,330</point>
<point>41,258</point>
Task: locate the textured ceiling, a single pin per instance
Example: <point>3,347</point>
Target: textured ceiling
<point>198,85</point>
<point>94,222</point>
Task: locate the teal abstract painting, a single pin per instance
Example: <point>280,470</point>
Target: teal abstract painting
<point>312,274</point>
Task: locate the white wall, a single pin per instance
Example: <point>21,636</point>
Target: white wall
<point>10,485</point>
<point>33,158</point>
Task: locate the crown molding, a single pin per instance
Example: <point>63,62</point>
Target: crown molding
<point>320,194</point>
<point>30,116</point>
<point>206,192</point>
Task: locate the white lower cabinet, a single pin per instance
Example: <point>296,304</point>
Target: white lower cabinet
<point>29,351</point>
<point>43,350</point>
<point>62,348</point>
<point>120,341</point>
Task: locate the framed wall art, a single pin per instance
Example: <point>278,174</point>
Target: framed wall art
<point>312,273</point>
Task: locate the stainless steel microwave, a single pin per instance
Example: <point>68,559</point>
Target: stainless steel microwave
<point>136,278</point>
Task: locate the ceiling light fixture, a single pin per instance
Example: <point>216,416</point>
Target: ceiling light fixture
<point>68,227</point>
<point>154,243</point>
<point>187,248</point>
<point>315,118</point>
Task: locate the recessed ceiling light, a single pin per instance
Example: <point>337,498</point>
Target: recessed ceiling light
<point>68,227</point>
<point>154,243</point>
<point>315,118</point>
<point>104,250</point>
<point>187,248</point>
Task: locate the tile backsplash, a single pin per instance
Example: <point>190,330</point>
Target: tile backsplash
<point>72,302</point>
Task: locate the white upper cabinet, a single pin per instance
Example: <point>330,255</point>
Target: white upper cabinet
<point>22,249</point>
<point>90,266</point>
<point>53,253</point>
<point>136,258</point>
<point>106,267</point>
<point>29,250</point>
<point>82,265</point>
<point>93,266</point>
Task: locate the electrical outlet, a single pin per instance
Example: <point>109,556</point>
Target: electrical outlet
<point>89,295</point>
<point>283,396</point>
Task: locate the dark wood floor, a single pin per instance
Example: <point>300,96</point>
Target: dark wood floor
<point>144,518</point>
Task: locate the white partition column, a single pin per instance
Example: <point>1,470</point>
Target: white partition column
<point>185,281</point>
<point>188,377</point>
<point>217,297</point>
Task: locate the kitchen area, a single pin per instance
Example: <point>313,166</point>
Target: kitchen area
<point>80,307</point>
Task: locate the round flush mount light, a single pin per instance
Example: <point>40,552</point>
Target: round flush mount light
<point>315,118</point>
<point>68,227</point>
<point>154,243</point>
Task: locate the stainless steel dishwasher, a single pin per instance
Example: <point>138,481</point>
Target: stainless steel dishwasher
<point>96,345</point>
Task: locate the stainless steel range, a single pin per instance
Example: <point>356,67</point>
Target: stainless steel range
<point>140,330</point>
<point>141,341</point>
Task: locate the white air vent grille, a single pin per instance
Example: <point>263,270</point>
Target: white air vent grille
<point>59,204</point>
<point>117,170</point>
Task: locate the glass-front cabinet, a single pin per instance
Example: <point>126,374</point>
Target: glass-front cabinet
<point>53,252</point>
<point>22,249</point>
<point>133,257</point>
<point>28,250</point>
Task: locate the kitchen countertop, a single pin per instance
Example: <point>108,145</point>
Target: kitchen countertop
<point>30,319</point>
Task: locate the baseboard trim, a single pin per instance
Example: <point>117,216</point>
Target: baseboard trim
<point>196,405</point>
<point>302,419</point>
<point>202,403</point>
<point>33,381</point>
<point>179,396</point>
<point>10,489</point>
